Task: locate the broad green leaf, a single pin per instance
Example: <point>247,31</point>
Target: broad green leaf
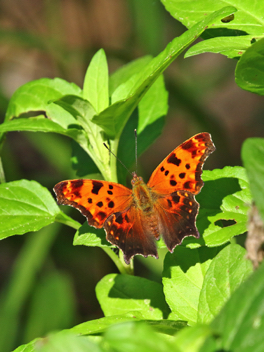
<point>191,338</point>
<point>248,17</point>
<point>53,301</point>
<point>36,95</point>
<point>240,325</point>
<point>95,86</point>
<point>253,160</point>
<point>89,236</point>
<point>225,274</point>
<point>136,336</point>
<point>232,47</point>
<point>250,68</point>
<point>41,124</point>
<point>183,277</point>
<point>225,197</point>
<point>120,294</point>
<point>113,119</point>
<point>25,206</point>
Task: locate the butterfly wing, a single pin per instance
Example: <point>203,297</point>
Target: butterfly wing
<point>182,168</point>
<point>175,182</point>
<point>130,232</point>
<point>96,200</point>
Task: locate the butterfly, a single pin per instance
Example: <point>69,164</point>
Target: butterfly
<point>134,219</point>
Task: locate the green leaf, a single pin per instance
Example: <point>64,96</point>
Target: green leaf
<point>153,105</point>
<point>95,86</point>
<point>253,160</point>
<point>98,326</point>
<point>120,294</point>
<point>183,277</point>
<point>136,336</point>
<point>25,206</point>
<point>248,18</point>
<point>225,274</point>
<point>66,342</point>
<point>125,72</point>
<point>232,47</point>
<point>249,72</point>
<point>240,324</point>
<point>36,95</point>
<point>113,119</point>
<point>83,112</point>
<point>89,236</point>
<point>225,197</point>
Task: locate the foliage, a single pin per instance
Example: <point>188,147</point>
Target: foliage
<point>209,299</point>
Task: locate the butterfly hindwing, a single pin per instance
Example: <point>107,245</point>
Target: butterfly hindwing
<point>182,168</point>
<point>177,215</point>
<point>96,200</point>
<point>129,231</point>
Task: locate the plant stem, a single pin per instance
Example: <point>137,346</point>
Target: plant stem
<point>2,174</point>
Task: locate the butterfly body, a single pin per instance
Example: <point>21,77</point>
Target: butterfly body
<point>134,219</point>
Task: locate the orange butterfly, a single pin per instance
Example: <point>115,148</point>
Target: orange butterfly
<point>134,219</point>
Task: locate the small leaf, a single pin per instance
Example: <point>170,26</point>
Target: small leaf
<point>183,277</point>
<point>253,159</point>
<point>120,294</point>
<point>91,237</point>
<point>225,274</point>
<point>95,86</point>
<point>232,47</point>
<point>250,68</point>
<point>225,196</point>
<point>25,206</point>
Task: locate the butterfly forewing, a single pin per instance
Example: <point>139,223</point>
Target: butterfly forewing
<point>96,200</point>
<point>182,168</point>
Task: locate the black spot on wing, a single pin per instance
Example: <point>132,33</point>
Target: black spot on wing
<point>97,185</point>
<point>100,204</point>
<point>110,186</point>
<point>172,159</point>
<point>162,169</point>
<point>173,183</point>
<point>187,166</point>
<point>89,200</point>
<point>166,173</point>
<point>182,175</point>
<point>110,192</point>
<point>111,204</point>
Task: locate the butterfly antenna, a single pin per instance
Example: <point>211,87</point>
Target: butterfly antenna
<point>135,131</point>
<point>110,151</point>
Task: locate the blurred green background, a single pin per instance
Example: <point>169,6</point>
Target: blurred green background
<point>45,282</point>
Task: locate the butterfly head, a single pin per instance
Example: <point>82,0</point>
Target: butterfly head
<point>136,180</point>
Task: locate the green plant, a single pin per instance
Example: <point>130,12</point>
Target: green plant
<point>209,299</point>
